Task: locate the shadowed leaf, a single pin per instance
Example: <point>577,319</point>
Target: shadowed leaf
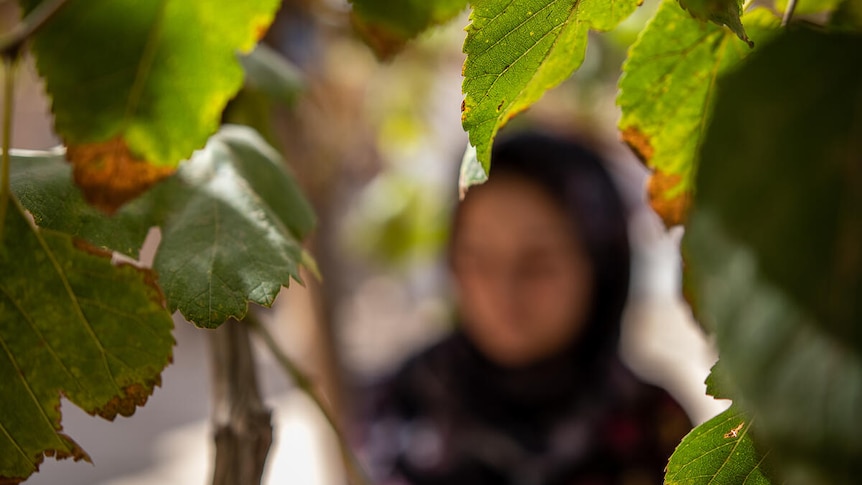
<point>774,247</point>
<point>72,324</point>
<point>386,26</point>
<point>721,13</point>
<point>231,218</point>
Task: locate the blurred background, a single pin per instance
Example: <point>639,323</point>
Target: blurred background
<point>376,147</point>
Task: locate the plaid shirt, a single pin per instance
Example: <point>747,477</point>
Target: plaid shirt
<point>450,417</point>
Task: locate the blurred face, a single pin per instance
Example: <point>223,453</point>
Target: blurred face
<point>524,279</point>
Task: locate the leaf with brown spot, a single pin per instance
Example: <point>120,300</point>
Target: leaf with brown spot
<point>668,198</point>
<point>110,175</point>
<point>667,92</point>
<point>135,83</point>
<point>231,220</point>
<point>74,324</point>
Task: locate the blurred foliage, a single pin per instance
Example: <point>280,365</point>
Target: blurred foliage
<point>772,180</point>
<point>773,249</point>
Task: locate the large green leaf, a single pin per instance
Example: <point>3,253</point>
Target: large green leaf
<point>774,248</point>
<point>386,26</point>
<point>719,451</point>
<point>667,95</point>
<point>230,220</point>
<point>71,323</point>
<point>137,86</point>
<point>518,50</point>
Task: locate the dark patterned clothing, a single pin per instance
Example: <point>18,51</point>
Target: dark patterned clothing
<point>450,416</point>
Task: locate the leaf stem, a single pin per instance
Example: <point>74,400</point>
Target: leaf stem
<point>788,12</point>
<point>354,470</point>
<point>11,43</point>
<point>9,64</point>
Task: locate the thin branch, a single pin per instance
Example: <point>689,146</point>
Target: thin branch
<point>354,470</point>
<point>9,64</point>
<point>12,41</point>
<point>788,12</point>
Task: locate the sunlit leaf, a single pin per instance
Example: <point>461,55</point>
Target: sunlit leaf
<point>518,50</point>
<point>719,451</point>
<point>667,95</point>
<point>386,26</point>
<point>774,248</point>
<point>72,324</point>
<point>137,86</point>
<point>231,219</point>
<point>809,6</point>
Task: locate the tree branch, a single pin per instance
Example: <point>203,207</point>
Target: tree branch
<point>788,12</point>
<point>354,470</point>
<point>11,43</point>
<point>243,426</point>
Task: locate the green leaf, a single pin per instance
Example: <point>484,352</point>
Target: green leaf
<point>847,17</point>
<point>518,50</point>
<point>471,172</point>
<point>774,247</point>
<point>387,26</point>
<point>719,451</point>
<point>720,12</point>
<point>137,86</point>
<point>805,7</point>
<point>667,95</point>
<point>72,324</point>
<point>43,183</point>
<point>230,220</point>
<point>718,382</point>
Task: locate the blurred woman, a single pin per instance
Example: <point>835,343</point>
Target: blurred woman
<point>529,388</point>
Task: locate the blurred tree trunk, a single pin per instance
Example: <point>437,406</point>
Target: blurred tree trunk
<point>242,424</point>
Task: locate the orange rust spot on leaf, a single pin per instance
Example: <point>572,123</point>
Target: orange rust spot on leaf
<point>110,175</point>
<point>134,395</point>
<point>672,210</point>
<point>260,29</point>
<point>639,143</point>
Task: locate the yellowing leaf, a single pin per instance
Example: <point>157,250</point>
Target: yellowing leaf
<point>667,93</point>
<point>71,323</point>
<point>518,50</point>
<point>144,81</point>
